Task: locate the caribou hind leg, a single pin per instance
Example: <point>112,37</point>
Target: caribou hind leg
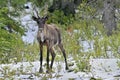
<point>47,59</point>
<point>64,54</point>
<point>53,57</point>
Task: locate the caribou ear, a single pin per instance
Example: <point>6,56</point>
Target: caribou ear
<point>34,18</point>
<point>46,17</point>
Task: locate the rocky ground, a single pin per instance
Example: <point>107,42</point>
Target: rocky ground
<point>102,69</point>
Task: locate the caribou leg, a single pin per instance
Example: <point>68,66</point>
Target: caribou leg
<point>53,57</point>
<point>64,54</point>
<point>41,58</point>
<point>47,59</point>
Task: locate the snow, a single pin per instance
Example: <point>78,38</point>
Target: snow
<point>105,69</point>
<point>31,27</point>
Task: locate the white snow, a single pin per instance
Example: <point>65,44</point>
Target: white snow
<point>105,69</point>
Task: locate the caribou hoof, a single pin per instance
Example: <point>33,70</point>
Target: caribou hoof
<point>49,71</point>
<point>67,68</point>
<point>40,70</point>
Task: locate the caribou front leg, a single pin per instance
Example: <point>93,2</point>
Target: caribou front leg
<point>41,58</point>
<point>47,59</point>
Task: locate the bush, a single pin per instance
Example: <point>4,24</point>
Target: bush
<point>10,45</point>
<point>58,17</point>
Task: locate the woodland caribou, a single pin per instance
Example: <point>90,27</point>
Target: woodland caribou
<point>48,35</point>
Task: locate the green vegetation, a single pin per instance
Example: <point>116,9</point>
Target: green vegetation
<point>58,17</point>
<point>103,46</point>
<point>9,41</point>
<point>12,47</point>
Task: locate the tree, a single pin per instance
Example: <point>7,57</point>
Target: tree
<point>109,16</point>
<point>10,30</point>
<point>67,6</point>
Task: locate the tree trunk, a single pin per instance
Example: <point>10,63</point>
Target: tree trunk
<point>67,6</point>
<point>109,16</point>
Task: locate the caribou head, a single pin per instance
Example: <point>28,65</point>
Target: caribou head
<point>40,21</point>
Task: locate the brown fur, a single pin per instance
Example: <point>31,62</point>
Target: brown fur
<point>48,35</point>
